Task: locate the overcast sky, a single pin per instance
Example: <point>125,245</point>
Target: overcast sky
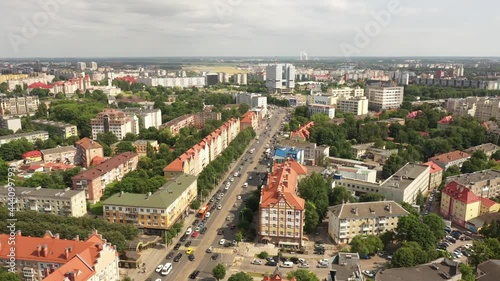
<point>144,28</point>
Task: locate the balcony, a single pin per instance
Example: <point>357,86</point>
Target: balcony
<point>47,209</point>
<point>33,208</point>
<point>366,228</point>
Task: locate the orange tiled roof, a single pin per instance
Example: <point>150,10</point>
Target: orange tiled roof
<point>282,183</point>
<point>434,167</point>
<point>76,256</point>
<point>87,143</point>
<point>446,120</point>
<point>450,156</point>
<point>303,132</point>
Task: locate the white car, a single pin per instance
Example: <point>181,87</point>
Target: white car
<point>235,174</point>
<point>301,260</point>
<point>467,246</point>
<point>227,187</point>
<point>250,177</point>
<point>257,262</point>
<point>207,215</point>
<point>231,179</point>
<point>222,242</point>
<point>228,184</point>
<point>219,207</point>
<point>238,197</point>
<point>245,184</point>
<point>303,265</point>
<point>159,279</point>
<point>189,231</point>
<point>159,268</point>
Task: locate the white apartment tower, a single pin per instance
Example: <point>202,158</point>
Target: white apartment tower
<point>279,76</point>
<point>114,121</point>
<point>381,98</point>
<point>81,66</point>
<point>93,65</point>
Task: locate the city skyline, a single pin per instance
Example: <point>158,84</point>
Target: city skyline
<point>233,28</point>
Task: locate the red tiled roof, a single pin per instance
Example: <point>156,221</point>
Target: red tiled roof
<point>488,202</point>
<point>76,256</point>
<point>446,120</point>
<point>282,183</point>
<point>434,167</point>
<point>39,85</point>
<point>105,167</point>
<point>303,132</point>
<point>33,153</point>
<point>450,156</point>
<point>460,193</point>
<point>413,114</point>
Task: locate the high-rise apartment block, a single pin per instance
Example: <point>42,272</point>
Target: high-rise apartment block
<point>27,105</point>
<point>381,98</point>
<point>147,117</point>
<point>87,151</point>
<point>114,121</point>
<point>280,76</point>
<point>81,66</point>
<point>357,105</point>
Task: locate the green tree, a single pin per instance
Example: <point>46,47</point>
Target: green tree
<point>339,195</point>
<point>302,275</point>
<point>364,245</point>
<point>219,271</point>
<point>125,146</point>
<point>435,224</point>
<point>311,217</point>
<point>107,138</point>
<point>315,189</point>
<point>9,276</point>
<point>196,204</point>
<point>371,197</point>
<point>263,255</point>
<point>403,257</point>
<point>468,272</point>
<point>238,236</point>
<point>240,276</point>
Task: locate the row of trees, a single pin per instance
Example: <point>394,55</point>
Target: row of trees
<point>36,224</point>
<point>425,92</point>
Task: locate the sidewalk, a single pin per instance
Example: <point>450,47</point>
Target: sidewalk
<point>152,257</point>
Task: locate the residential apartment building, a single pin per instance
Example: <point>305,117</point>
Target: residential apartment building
<point>114,121</point>
<point>64,154</point>
<point>369,218</point>
<point>26,105</point>
<point>175,125</point>
<point>141,146</point>
<point>251,99</point>
<point>10,123</point>
<point>199,156</point>
<point>439,270</point>
<point>95,179</point>
<point>485,183</point>
<point>281,210</point>
<point>381,98</point>
<point>436,175</point>
<point>201,118</point>
<point>157,212</point>
<point>488,270</point>
<point>402,186</point>
<point>459,204</point>
<point>313,153</point>
<point>50,258</point>
<point>249,119</point>
<point>31,137</point>
<point>147,117</point>
<point>488,149</point>
<point>453,158</point>
<point>346,92</point>
<point>324,109</point>
<point>357,106</point>
<point>87,150</point>
<point>279,76</point>
<point>64,130</point>
<point>63,202</point>
<point>182,82</point>
<point>302,133</point>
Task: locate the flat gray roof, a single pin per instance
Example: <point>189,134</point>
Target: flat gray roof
<point>41,192</point>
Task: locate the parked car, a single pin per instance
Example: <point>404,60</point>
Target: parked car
<point>271,263</point>
<point>222,242</point>
<point>191,257</point>
<point>159,268</point>
<point>189,251</point>
<point>203,230</point>
<point>194,274</point>
<point>178,257</point>
<point>184,237</point>
<point>196,221</point>
<point>210,249</point>
<point>257,262</point>
<point>188,243</point>
<point>170,255</point>
<point>220,231</point>
<point>177,246</point>
<point>215,256</point>
<point>195,234</point>
<point>303,265</point>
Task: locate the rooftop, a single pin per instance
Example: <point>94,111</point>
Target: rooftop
<point>426,272</point>
<point>87,143</point>
<point>23,135</point>
<point>460,193</point>
<point>61,149</point>
<point>474,178</point>
<point>486,147</point>
<point>161,199</point>
<point>487,218</point>
<point>367,210</point>
<point>346,266</point>
<point>406,175</point>
<point>434,167</point>
<point>41,192</point>
<point>488,270</point>
<point>449,157</point>
<point>105,167</point>
<point>363,146</point>
<point>52,123</point>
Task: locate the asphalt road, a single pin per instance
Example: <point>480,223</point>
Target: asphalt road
<point>218,219</point>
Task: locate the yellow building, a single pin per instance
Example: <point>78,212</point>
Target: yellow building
<point>64,130</point>
<point>141,146</point>
<point>348,220</point>
<point>157,212</point>
<point>460,204</point>
<point>6,77</point>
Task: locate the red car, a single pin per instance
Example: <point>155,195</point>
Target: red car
<point>195,234</point>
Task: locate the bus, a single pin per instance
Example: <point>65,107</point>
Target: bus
<point>203,211</point>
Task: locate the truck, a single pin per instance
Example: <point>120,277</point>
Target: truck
<point>203,211</point>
